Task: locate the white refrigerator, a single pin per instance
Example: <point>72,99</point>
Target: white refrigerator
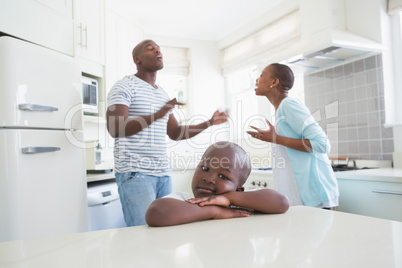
<point>42,159</point>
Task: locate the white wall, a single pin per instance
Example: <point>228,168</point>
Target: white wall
<point>260,22</point>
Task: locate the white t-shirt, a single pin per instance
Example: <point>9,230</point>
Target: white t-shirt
<point>183,196</point>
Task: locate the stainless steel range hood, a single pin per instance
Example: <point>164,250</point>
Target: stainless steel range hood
<point>330,49</point>
<point>329,37</point>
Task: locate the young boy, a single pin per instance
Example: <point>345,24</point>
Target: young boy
<point>218,189</point>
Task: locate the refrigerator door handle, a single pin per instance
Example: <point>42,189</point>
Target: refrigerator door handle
<point>37,150</point>
<point>35,107</point>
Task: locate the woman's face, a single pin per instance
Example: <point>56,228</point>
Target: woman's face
<point>264,82</point>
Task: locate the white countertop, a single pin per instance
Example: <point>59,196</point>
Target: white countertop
<point>302,237</point>
<point>100,177</point>
<point>262,172</point>
<point>377,174</point>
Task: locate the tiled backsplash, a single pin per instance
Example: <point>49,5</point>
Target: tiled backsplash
<point>348,102</point>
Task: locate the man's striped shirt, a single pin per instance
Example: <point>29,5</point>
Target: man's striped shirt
<point>145,151</point>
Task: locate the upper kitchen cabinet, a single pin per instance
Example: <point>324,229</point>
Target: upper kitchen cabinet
<point>37,20</point>
<point>121,37</point>
<point>89,35</point>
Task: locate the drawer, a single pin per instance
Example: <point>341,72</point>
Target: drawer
<point>371,198</point>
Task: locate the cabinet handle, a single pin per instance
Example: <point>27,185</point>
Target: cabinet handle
<point>85,29</point>
<point>35,107</point>
<point>37,150</point>
<point>386,192</point>
<point>80,41</point>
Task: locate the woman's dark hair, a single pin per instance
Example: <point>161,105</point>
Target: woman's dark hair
<point>284,74</point>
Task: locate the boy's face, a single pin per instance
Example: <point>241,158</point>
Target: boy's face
<point>217,173</point>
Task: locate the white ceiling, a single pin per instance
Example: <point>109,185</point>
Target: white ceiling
<point>195,19</point>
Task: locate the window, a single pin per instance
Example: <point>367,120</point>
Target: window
<point>242,101</point>
<point>174,77</point>
<point>394,6</point>
<point>262,46</point>
<point>400,30</point>
<point>242,63</point>
<point>393,68</point>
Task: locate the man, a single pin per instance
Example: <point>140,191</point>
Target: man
<point>139,116</point>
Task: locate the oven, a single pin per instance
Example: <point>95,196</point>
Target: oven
<point>260,179</point>
<point>90,96</point>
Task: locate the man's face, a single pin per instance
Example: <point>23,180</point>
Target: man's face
<point>216,173</point>
<point>149,56</point>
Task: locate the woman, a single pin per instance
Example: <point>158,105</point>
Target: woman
<point>298,141</point>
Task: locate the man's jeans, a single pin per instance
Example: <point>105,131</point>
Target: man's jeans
<point>137,191</point>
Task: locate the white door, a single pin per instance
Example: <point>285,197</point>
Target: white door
<point>89,32</point>
<point>38,87</point>
<point>42,184</point>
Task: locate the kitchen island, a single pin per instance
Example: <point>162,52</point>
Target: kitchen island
<point>301,237</point>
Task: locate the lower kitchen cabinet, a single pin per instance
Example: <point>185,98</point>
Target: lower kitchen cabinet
<point>371,198</point>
